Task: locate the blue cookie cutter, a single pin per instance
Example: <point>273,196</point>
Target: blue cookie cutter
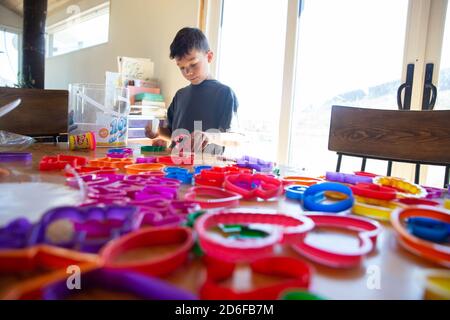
<point>295,192</point>
<point>429,229</point>
<point>315,194</point>
<point>181,174</point>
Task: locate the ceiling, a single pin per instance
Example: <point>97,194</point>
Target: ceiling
<point>17,5</point>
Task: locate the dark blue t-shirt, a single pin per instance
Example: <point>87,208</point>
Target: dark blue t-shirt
<point>211,102</point>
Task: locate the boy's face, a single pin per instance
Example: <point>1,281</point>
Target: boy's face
<point>195,66</point>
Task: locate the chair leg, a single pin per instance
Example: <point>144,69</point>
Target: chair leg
<point>338,166</point>
<point>417,174</point>
<point>389,169</point>
<point>363,164</point>
<point>447,173</point>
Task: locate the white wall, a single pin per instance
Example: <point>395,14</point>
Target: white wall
<point>9,18</point>
<point>138,28</point>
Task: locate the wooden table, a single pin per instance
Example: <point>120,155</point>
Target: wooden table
<point>399,271</point>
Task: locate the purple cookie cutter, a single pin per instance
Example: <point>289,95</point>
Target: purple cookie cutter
<point>106,195</point>
<point>146,160</point>
<point>118,189</point>
<point>95,179</point>
<point>141,286</point>
<point>143,180</point>
<point>93,226</point>
<point>15,235</point>
<point>347,178</point>
<point>15,156</point>
<point>434,193</point>
<point>164,212</point>
<point>254,163</point>
<point>150,191</point>
<point>157,219</point>
<point>119,153</point>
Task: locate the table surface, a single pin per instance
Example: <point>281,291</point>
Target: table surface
<point>398,272</point>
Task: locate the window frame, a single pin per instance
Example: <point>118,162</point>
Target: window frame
<point>86,15</point>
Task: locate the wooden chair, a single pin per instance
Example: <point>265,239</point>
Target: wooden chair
<point>42,113</point>
<point>420,137</point>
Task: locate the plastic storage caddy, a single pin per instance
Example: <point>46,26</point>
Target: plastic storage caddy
<point>101,110</point>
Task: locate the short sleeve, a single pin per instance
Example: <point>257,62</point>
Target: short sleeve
<point>170,115</point>
<point>229,108</point>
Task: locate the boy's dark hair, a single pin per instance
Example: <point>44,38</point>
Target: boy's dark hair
<point>187,39</point>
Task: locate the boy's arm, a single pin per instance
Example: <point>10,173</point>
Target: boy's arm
<point>153,130</point>
<point>165,133</point>
<point>226,139</point>
<point>162,132</point>
<point>229,134</point>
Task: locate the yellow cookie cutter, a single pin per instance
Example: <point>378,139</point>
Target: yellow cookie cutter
<point>406,189</point>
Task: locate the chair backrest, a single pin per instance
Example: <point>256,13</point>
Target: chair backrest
<point>41,113</point>
<point>411,136</point>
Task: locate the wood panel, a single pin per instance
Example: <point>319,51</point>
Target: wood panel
<point>416,136</point>
<point>42,112</point>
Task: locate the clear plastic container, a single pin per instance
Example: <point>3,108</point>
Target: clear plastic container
<point>100,109</point>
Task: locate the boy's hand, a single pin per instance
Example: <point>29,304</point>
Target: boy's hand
<point>152,129</point>
<point>199,141</point>
<point>159,143</point>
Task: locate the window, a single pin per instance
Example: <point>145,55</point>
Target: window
<point>290,61</point>
<point>83,30</point>
<point>254,72</point>
<point>443,97</point>
<point>9,57</point>
<point>345,57</point>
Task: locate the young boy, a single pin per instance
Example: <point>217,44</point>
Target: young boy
<point>205,99</point>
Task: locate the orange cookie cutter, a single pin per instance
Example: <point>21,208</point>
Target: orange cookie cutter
<point>304,181</point>
<point>429,250</point>
<point>93,170</point>
<point>53,260</point>
<point>119,163</point>
<point>4,172</point>
<point>144,167</point>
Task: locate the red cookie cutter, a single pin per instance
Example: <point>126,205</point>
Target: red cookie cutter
<point>146,238</point>
<point>215,176</point>
<point>212,197</point>
<point>59,162</point>
<point>176,161</point>
<point>365,174</point>
<point>254,186</point>
<point>374,191</point>
<point>368,231</point>
<point>295,273</point>
<point>287,229</point>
